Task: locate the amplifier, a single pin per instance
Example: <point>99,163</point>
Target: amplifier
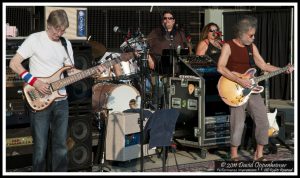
<point>18,141</point>
<point>12,78</point>
<point>123,137</point>
<point>216,130</point>
<point>16,113</point>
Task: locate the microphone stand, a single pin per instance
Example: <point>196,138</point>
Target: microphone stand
<point>171,48</point>
<point>143,73</point>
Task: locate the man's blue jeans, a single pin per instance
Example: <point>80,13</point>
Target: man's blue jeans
<point>55,118</point>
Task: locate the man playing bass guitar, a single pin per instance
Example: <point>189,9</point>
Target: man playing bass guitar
<point>234,59</point>
<point>46,56</point>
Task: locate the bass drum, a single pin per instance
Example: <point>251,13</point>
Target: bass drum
<point>113,96</point>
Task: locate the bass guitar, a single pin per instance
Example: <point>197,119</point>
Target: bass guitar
<point>38,101</point>
<point>234,94</point>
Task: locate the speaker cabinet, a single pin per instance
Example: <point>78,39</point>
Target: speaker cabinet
<point>79,143</point>
<point>123,137</point>
<point>19,143</point>
<point>16,114</point>
<point>82,60</point>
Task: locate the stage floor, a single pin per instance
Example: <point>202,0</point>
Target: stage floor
<point>187,159</point>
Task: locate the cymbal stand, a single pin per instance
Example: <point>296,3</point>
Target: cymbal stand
<point>101,118</point>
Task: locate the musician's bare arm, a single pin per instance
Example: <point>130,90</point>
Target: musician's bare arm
<point>151,62</point>
<point>223,59</point>
<point>16,66</point>
<point>201,48</point>
<point>260,62</point>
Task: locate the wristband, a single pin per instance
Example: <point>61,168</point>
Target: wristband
<point>28,77</point>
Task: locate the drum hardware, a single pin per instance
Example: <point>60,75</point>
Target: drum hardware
<point>143,76</point>
<point>101,118</point>
<point>136,43</point>
<point>109,95</point>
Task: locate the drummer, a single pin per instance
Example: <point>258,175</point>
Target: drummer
<point>127,56</point>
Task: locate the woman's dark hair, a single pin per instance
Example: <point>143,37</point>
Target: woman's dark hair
<point>206,29</point>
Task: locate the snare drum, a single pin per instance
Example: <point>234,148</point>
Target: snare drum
<point>129,67</point>
<point>106,76</point>
<point>113,96</point>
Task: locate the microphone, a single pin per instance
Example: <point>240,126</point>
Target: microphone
<point>217,34</point>
<point>118,30</point>
<point>165,27</point>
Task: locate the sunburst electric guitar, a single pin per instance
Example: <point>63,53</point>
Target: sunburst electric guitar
<point>234,94</point>
<point>38,102</point>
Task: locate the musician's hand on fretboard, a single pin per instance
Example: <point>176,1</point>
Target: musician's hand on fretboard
<point>290,69</point>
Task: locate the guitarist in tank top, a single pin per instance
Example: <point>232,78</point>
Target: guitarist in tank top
<point>234,61</point>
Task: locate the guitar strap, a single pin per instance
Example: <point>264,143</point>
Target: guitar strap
<point>250,54</point>
<point>64,43</point>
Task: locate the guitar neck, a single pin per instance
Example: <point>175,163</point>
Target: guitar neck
<point>271,74</point>
<point>81,75</point>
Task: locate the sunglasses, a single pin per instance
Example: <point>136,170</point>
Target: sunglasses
<point>169,18</point>
<point>210,30</point>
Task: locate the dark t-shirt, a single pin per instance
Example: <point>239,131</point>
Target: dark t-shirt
<point>160,41</point>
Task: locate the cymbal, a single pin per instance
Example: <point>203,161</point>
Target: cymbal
<point>98,49</point>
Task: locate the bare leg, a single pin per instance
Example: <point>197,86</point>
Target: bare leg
<point>234,151</point>
<point>259,151</point>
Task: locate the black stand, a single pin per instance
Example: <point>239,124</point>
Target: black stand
<point>172,54</point>
<point>100,154</point>
<point>165,149</point>
<point>143,73</point>
<point>143,81</point>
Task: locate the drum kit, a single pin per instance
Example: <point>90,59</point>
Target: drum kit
<point>114,90</point>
